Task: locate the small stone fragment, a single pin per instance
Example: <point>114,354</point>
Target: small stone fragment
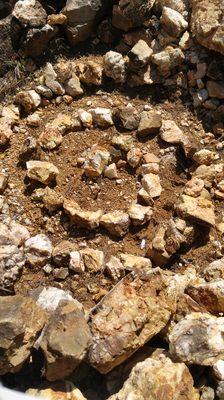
<point>150,123</point>
<point>133,263</point>
<point>3,181</point>
<point>73,86</point>
<point>41,171</point>
<point>90,72</point>
<point>116,222</point>
<point>151,183</point>
<point>96,160</point>
<point>111,171</point>
<point>29,100</point>
<point>76,263</point>
<point>85,219</point>
<point>38,250</point>
<point>93,260</point>
<point>173,22</point>
<point>102,117</point>
<point>140,54</point>
<point>64,390</point>
<point>139,214</point>
<point>115,268</point>
<point>86,118</point>
<point>134,157</point>
<point>114,66</point>
<point>198,209</point>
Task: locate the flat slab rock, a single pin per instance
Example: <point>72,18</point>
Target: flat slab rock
<point>198,209</point>
<point>131,314</point>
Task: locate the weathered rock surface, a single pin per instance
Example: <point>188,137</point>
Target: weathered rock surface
<point>157,377</point>
<point>38,250</point>
<point>130,315</point>
<point>197,209</point>
<point>150,123</point>
<point>209,295</point>
<point>116,222</point>
<point>65,341</point>
<point>79,217</point>
<point>41,171</point>
<point>114,66</point>
<point>60,390</point>
<point>21,320</point>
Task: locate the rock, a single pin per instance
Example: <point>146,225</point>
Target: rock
<point>11,262</point>
<point>144,197</point>
<point>63,390</point>
<point>197,209</point>
<point>150,123</point>
<point>128,117</point>
<point>156,377</point>
<point>215,270</point>
<point>76,263</point>
<point>110,171</point>
<point>102,117</point>
<point>50,138</point>
<point>172,134</point>
<point>73,86</point>
<point>114,66</point>
<point>134,157</point>
<point>44,91</point>
<point>11,112</point>
<point>41,171</point>
<point>5,131</point>
<point>151,183</point>
<point>215,89</point>
<point>173,22</point>
<point>52,200</point>
<point>85,219</point>
<point>116,223</point>
<point>139,55</point>
<point>64,123</point>
<point>198,339</point>
<point>93,260</point>
<point>143,307</point>
<point>28,100</point>
<point>125,16</point>
<point>86,118</point>
<point>3,181</point>
<point>168,59</point>
<point>96,160</point>
<point>65,341</point>
<point>218,369</point>
<point>140,215</point>
<point>19,233</point>
<point>220,390</point>
<point>205,157</point>
<point>135,263</point>
<point>115,268</point>
<point>33,120</point>
<point>50,78</point>
<point>21,320</point>
<point>123,142</point>
<point>48,298</point>
<point>56,19</point>
<point>209,295</point>
<point>61,253</point>
<point>209,173</point>
<point>194,187</point>
<point>30,13</point>
<point>38,250</point>
<point>205,24</point>
<point>90,72</point>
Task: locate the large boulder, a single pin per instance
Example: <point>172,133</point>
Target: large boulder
<point>82,16</point>
<point>134,311</point>
<point>207,23</point>
<point>21,319</point>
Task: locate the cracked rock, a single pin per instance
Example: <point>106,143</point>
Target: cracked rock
<point>116,222</point>
<point>38,250</point>
<point>79,217</point>
<point>41,171</point>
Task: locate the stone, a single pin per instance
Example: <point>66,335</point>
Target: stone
<point>52,200</point>
<point>65,341</point>
<point>116,223</point>
<point>76,263</point>
<point>79,217</point>
<point>218,369</point>
<point>198,339</point>
<point>48,298</point>
<point>135,263</point>
<point>62,251</point>
<point>220,390</point>
<point>172,134</point>
<point>115,268</point>
<point>50,138</point>
<point>210,295</point>
<point>96,160</point>
<point>173,22</point>
<point>143,196</point>
<point>197,209</point>
<point>11,112</point>
<point>5,131</point>
<point>128,117</point>
<point>56,19</point>
<point>90,72</point>
<point>64,123</point>
<point>19,233</point>
<point>205,157</point>
<point>139,214</point>
<point>102,117</point>
<point>30,13</point>
<point>215,89</point>
<point>73,86</point>
<point>21,321</point>
<point>215,270</point>
<point>86,118</point>
<point>194,187</point>
<point>114,66</point>
<point>140,307</point>
<point>123,142</point>
<point>110,171</point>
<point>33,120</point>
<point>50,80</point>
<point>28,100</point>
<point>125,16</point>
<point>205,24</point>
<point>168,59</point>
<point>150,123</point>
<point>139,55</point>
<point>209,173</point>
<point>63,390</point>
<point>3,181</point>
<point>134,157</point>
<point>156,377</point>
<point>93,260</point>
<point>38,250</point>
<point>44,91</point>
<point>41,171</point>
<point>12,261</point>
<point>151,183</point>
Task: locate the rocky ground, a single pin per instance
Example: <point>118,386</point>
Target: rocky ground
<point>111,199</point>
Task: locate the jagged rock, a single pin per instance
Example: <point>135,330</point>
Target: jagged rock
<point>86,118</point>
<point>208,294</point>
<point>151,183</point>
<point>93,259</point>
<point>150,123</point>
<point>116,222</point>
<point>5,131</point>
<point>33,120</point>
<point>96,160</point>
<point>52,200</point>
<point>48,298</point>
<point>76,263</point>
<point>125,16</point>
<point>173,22</point>
<point>123,142</point>
<point>79,217</point>
<point>134,157</point>
<point>172,134</point>
<point>50,138</point>
<point>28,100</point>
<point>73,86</point>
<point>139,214</point>
<point>90,72</point>
<point>141,306</point>
<point>115,268</point>
<point>197,209</point>
<point>110,171</point>
<point>205,24</point>
<point>128,117</point>
<point>30,13</point>
<point>12,261</point>
<point>115,66</point>
<point>218,369</point>
<point>216,89</point>
<point>44,91</point>
<point>168,59</point>
<point>198,339</point>
<point>102,117</point>
<point>35,40</point>
<point>18,233</point>
<point>64,390</point>
<point>21,320</point>
<point>133,263</point>
<point>56,19</point>
<point>205,157</point>
<point>38,250</point>
<point>147,75</point>
<point>3,181</point>
<point>65,341</point>
<point>215,270</point>
<point>194,187</point>
<point>61,252</point>
<point>177,5</point>
<point>157,377</point>
<point>139,55</point>
<point>11,112</point>
<point>209,173</point>
<point>41,171</point>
